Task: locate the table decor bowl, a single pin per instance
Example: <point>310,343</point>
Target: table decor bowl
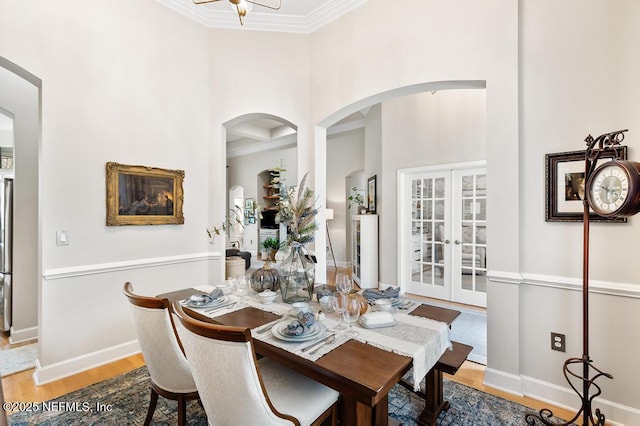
<point>267,296</point>
<point>383,304</point>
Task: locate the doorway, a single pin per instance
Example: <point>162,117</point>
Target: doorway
<point>443,224</point>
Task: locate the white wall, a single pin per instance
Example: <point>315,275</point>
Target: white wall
<point>570,88</point>
<point>6,137</point>
<point>345,154</point>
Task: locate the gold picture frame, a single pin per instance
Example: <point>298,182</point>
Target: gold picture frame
<point>141,195</point>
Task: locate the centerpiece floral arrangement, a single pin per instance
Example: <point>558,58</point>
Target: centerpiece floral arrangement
<point>298,213</point>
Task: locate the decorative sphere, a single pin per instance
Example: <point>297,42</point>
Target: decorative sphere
<point>265,278</point>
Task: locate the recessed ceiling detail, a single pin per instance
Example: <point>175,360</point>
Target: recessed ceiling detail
<point>295,16</point>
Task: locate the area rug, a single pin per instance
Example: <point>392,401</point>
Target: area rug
<point>18,359</point>
<point>124,400</point>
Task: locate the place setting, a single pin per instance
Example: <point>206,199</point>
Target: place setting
<point>208,303</point>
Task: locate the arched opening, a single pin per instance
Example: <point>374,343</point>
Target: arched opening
<point>262,157</point>
<point>20,99</point>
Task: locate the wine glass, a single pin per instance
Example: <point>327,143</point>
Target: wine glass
<point>242,289</point>
<point>352,313</point>
<point>339,303</point>
<point>343,283</point>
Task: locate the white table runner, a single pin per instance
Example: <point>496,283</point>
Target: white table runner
<point>422,339</point>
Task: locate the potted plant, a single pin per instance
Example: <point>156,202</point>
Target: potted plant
<point>357,198</point>
<point>271,246</point>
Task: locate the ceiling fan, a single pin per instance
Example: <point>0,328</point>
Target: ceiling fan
<point>242,6</point>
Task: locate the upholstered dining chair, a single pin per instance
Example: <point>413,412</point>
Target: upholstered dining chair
<point>162,351</point>
<point>236,389</point>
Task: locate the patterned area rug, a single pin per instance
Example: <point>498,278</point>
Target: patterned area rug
<point>124,400</point>
<point>18,359</point>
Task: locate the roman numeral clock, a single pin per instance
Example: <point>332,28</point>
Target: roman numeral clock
<point>612,191</point>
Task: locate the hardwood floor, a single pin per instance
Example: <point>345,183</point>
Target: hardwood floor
<point>19,387</point>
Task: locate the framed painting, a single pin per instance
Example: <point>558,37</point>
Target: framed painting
<point>371,194</point>
<point>140,195</point>
<point>565,186</point>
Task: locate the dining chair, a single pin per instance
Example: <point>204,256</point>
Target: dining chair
<point>162,351</point>
<point>237,389</point>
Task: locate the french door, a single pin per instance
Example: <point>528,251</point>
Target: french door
<point>443,245</point>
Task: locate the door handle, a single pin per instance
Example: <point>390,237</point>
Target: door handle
<point>457,241</point>
<point>447,241</point>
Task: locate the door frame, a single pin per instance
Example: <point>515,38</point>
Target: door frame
<point>404,224</point>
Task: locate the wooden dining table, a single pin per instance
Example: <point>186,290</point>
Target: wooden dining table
<point>363,374</point>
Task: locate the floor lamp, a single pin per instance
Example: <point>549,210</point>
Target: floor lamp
<point>329,216</point>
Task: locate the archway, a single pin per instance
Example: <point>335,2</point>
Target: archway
<point>20,97</point>
<point>256,142</point>
<point>320,146</point>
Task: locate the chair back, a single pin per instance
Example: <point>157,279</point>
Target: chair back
<point>224,366</point>
<point>159,342</point>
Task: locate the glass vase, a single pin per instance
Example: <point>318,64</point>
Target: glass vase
<point>297,273</point>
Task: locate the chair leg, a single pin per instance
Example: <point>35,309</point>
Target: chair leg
<point>182,411</point>
<point>152,407</point>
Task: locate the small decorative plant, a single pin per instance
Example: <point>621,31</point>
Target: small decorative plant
<point>356,198</point>
<point>271,244</point>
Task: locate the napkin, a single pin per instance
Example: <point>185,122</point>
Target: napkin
<point>372,294</point>
<point>203,299</point>
<point>376,318</point>
<point>301,325</point>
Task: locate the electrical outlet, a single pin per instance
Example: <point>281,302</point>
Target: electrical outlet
<point>558,342</point>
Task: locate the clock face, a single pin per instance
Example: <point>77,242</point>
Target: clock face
<point>614,189</point>
<point>609,189</point>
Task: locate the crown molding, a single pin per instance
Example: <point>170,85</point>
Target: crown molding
<point>257,21</point>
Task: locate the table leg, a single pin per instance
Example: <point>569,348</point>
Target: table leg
<point>434,399</point>
<point>354,413</point>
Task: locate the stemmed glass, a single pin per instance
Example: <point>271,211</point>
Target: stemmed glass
<point>339,304</point>
<point>352,313</point>
<point>343,283</point>
<point>242,289</point>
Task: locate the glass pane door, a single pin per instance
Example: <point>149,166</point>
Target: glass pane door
<point>470,245</point>
<point>429,209</point>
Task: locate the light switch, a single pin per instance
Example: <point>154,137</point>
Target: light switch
<point>62,238</point>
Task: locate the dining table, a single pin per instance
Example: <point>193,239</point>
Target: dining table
<point>362,368</point>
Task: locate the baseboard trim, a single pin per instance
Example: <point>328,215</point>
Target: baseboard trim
<point>82,363</point>
<point>22,335</point>
<point>105,268</point>
<point>506,382</point>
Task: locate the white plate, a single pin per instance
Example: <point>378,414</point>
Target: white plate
<point>315,330</point>
<point>381,325</point>
<point>215,302</point>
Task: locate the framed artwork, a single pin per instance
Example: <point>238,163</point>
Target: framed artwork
<point>565,186</point>
<point>371,194</point>
<point>140,195</point>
